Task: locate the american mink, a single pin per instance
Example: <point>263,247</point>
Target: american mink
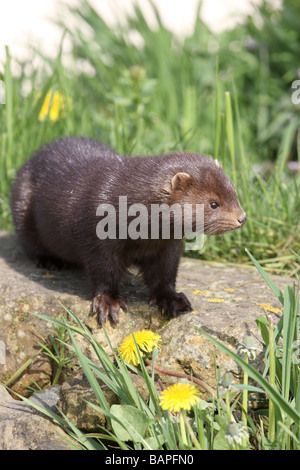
<point>54,205</point>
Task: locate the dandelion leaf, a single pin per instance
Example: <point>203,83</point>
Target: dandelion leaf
<point>130,424</point>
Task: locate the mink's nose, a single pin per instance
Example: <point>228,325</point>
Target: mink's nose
<point>243,219</point>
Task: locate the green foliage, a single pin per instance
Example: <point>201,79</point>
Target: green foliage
<point>57,351</point>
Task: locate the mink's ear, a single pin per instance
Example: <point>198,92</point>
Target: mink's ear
<point>217,163</point>
<point>180,181</point>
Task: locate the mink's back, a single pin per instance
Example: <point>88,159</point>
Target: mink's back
<point>59,187</point>
<point>69,157</point>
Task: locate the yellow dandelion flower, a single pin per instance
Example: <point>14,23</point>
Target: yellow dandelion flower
<point>216,300</point>
<point>180,396</point>
<point>146,342</point>
<point>54,106</point>
<point>229,290</point>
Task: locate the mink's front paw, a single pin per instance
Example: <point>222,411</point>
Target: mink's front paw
<point>107,306</point>
<point>172,305</point>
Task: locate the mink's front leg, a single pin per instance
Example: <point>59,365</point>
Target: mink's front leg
<point>170,302</point>
<point>107,305</point>
<point>105,277</point>
<point>159,274</point>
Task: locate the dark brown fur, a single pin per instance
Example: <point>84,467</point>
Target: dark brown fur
<point>54,203</point>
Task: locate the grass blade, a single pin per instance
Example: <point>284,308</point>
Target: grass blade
<point>278,400</point>
<point>267,278</point>
<point>230,135</point>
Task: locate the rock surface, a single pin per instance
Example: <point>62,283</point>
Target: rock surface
<point>75,397</point>
<point>21,428</point>
<point>225,299</point>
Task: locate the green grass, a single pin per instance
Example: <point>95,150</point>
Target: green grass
<point>168,95</point>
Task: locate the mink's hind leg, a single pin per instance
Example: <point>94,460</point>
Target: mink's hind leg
<point>47,261</point>
<point>25,224</point>
<point>38,254</point>
<point>159,274</point>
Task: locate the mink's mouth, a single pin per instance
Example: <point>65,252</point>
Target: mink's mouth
<point>218,227</point>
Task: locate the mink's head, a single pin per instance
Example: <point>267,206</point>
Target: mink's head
<point>204,182</point>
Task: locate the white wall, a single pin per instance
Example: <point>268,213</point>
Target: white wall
<point>29,21</point>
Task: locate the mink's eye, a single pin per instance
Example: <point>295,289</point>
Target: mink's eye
<point>214,205</point>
